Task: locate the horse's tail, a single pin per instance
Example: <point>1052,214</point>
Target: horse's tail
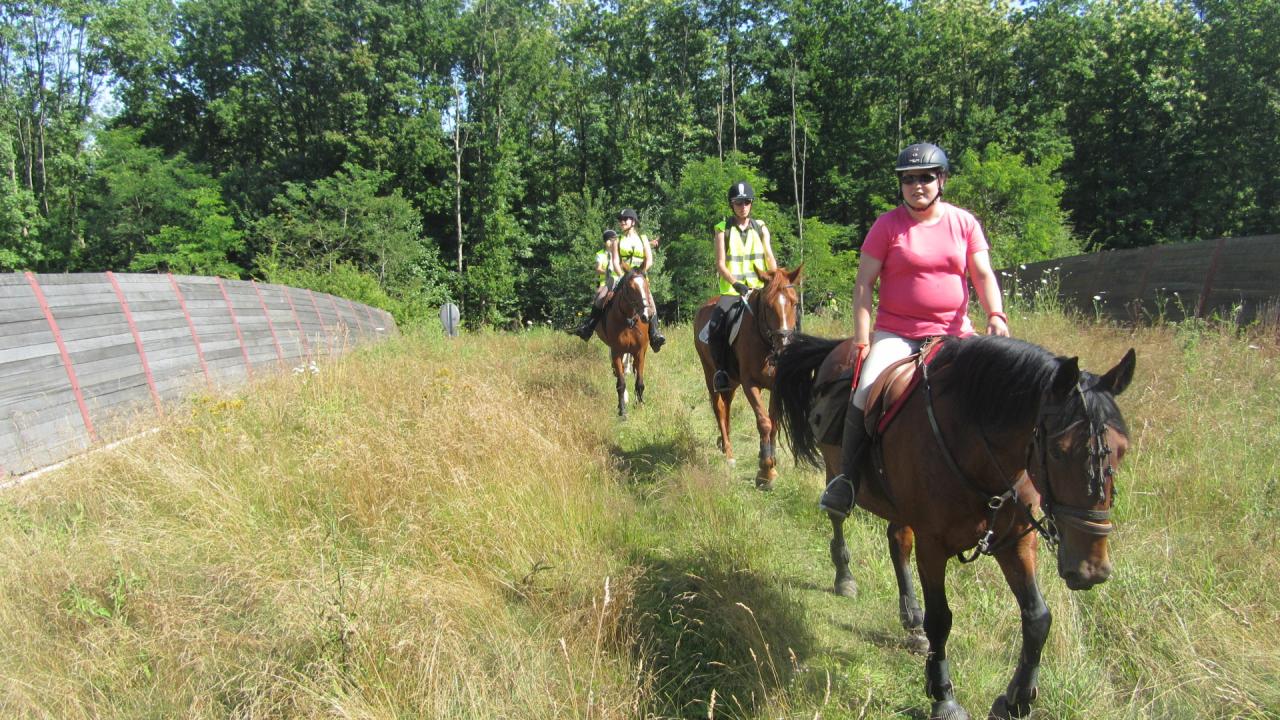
<point>797,368</point>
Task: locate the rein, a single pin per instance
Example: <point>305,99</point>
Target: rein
<point>1094,522</point>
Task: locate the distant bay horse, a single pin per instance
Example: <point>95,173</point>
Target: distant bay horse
<point>625,329</point>
<point>769,319</point>
<point>990,428</point>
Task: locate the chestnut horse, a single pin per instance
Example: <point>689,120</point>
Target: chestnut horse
<point>950,473</point>
<point>768,322</point>
<point>625,329</point>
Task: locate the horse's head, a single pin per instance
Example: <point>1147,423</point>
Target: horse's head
<point>779,306</point>
<point>1080,439</point>
<point>631,294</point>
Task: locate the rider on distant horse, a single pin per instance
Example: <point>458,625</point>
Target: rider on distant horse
<point>632,252</point>
<point>604,269</point>
<point>920,252</point>
<point>742,246</point>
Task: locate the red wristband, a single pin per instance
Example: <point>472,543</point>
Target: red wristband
<point>1000,315</point>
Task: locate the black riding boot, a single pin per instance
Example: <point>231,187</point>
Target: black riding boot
<point>656,339</point>
<point>842,491</point>
<point>719,351</point>
<point>588,326</point>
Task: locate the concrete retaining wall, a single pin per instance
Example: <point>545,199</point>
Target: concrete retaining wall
<point>80,351</point>
<point>1236,277</point>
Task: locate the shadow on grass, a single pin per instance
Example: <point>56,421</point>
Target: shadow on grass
<point>703,628</point>
<point>647,464</point>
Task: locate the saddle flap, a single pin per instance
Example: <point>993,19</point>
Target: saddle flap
<point>890,391</point>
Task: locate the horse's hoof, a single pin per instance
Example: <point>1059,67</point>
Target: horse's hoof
<point>916,642</point>
<point>948,710</point>
<point>764,481</point>
<point>730,462</point>
<point>1004,709</point>
<point>846,587</point>
<point>764,486</point>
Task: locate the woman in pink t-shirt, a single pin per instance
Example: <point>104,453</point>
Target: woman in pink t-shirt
<point>923,253</point>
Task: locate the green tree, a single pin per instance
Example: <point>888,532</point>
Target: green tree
<point>20,221</point>
<point>1018,204</point>
<point>137,198</point>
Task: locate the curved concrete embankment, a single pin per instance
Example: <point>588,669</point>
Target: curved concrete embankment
<point>79,351</point>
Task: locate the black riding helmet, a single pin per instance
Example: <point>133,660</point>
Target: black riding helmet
<point>609,235</point>
<point>741,191</point>
<point>629,213</point>
<point>921,156</point>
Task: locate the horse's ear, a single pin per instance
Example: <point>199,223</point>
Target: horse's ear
<point>1119,377</point>
<point>794,276</point>
<point>765,275</point>
<point>1065,377</point>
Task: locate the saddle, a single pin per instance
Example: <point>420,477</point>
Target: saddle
<point>890,391</point>
<point>887,396</point>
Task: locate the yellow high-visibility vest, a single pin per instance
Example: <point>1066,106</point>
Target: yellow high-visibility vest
<point>743,253</point>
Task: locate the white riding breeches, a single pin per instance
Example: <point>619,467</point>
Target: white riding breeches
<point>886,349</point>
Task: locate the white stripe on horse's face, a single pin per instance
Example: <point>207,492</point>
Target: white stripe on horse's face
<point>782,312</point>
<point>644,294</point>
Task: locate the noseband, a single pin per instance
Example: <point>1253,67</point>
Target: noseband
<point>1098,469</point>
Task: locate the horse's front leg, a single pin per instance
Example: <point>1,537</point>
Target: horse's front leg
<point>845,585</point>
<point>901,543</point>
<point>931,560</point>
<point>1019,566</point>
<point>767,471</point>
<point>638,366</point>
<point>620,383</point>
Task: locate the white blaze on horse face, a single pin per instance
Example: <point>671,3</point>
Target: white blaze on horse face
<point>644,295</point>
<point>782,313</point>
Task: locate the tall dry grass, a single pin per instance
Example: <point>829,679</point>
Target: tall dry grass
<point>462,529</point>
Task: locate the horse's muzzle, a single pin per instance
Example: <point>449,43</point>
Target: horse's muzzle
<point>1083,573</point>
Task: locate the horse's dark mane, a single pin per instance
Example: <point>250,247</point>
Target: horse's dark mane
<point>997,380</point>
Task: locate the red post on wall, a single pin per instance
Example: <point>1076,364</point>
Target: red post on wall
<point>66,356</point>
<point>231,311</point>
<point>195,336</point>
<point>1208,277</point>
<point>270,325</point>
<point>137,340</point>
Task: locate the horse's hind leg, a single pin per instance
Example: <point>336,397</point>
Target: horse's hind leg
<point>901,542</point>
<point>721,404</point>
<point>1018,564</point>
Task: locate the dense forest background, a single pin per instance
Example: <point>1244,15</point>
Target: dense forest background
<point>408,152</point>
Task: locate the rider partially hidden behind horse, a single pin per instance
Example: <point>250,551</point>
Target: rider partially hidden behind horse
<point>742,247</point>
<point>920,252</point>
<point>604,269</point>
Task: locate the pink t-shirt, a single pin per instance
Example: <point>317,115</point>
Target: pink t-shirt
<point>924,288</point>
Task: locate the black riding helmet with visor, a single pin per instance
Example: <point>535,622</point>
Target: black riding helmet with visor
<point>922,156</point>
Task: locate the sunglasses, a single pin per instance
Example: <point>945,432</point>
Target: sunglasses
<point>922,178</point>
<point>741,202</point>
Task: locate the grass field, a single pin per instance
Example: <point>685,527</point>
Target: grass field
<point>438,528</point>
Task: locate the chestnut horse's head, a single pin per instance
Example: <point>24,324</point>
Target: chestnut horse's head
<point>632,297</point>
<point>1079,440</point>
<point>779,307</point>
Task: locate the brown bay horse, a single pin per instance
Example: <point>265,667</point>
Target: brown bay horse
<point>768,323</point>
<point>993,427</point>
<point>625,329</point>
